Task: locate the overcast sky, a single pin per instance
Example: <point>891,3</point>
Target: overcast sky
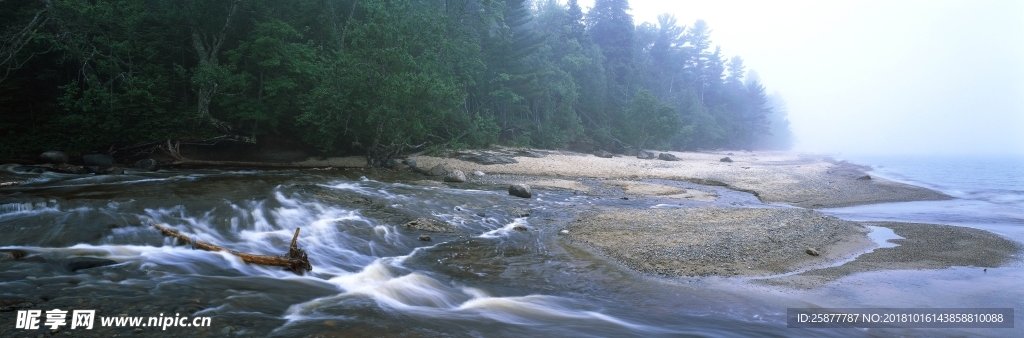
<point>878,77</point>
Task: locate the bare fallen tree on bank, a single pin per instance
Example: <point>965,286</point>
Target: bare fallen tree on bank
<point>295,261</point>
<point>174,152</point>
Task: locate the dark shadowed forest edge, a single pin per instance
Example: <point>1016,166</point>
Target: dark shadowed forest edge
<point>376,78</point>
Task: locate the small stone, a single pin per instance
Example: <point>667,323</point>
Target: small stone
<point>478,173</point>
<point>564,232</point>
<point>425,238</point>
<point>864,178</point>
<point>812,252</point>
<point>227,330</point>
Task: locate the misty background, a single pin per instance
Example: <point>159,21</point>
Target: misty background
<point>879,77</point>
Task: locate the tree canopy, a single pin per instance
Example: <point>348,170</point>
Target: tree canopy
<point>373,77</point>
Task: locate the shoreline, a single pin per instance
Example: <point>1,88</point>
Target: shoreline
<point>766,245</point>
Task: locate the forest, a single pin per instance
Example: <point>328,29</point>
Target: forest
<point>371,77</point>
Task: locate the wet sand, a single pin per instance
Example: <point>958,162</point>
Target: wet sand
<point>924,246</point>
<point>784,177</point>
<point>714,241</point>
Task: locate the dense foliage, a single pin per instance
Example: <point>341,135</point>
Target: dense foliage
<point>369,76</point>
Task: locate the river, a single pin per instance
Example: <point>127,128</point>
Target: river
<point>372,276</point>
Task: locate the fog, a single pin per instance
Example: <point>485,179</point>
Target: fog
<point>879,77</point>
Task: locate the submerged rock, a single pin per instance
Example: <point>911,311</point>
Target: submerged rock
<point>427,224</point>
<point>425,238</point>
<point>82,263</point>
<point>520,190</point>
<point>455,176</point>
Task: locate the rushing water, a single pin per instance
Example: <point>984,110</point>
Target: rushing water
<point>372,276</point>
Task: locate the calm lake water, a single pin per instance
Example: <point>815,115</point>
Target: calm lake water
<point>374,277</point>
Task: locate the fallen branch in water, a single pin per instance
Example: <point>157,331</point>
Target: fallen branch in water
<point>4,184</point>
<point>295,261</point>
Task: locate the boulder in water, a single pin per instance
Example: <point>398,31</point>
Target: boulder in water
<point>70,169</point>
<point>725,159</point>
<point>147,164</point>
<point>667,157</point>
<point>427,224</point>
<point>111,171</point>
<point>520,190</point>
<point>53,156</point>
<point>455,176</point>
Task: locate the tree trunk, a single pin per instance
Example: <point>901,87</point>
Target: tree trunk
<point>295,261</point>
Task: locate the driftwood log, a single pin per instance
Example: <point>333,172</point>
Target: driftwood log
<point>5,184</point>
<point>295,261</point>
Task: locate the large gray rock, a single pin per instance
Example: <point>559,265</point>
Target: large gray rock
<point>667,157</point>
<point>603,154</point>
<point>455,176</point>
<point>437,170</point>
<point>147,164</point>
<point>97,160</point>
<point>520,190</point>
<point>53,156</point>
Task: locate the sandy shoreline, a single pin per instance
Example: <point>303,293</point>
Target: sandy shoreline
<point>712,240</point>
<point>799,180</point>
